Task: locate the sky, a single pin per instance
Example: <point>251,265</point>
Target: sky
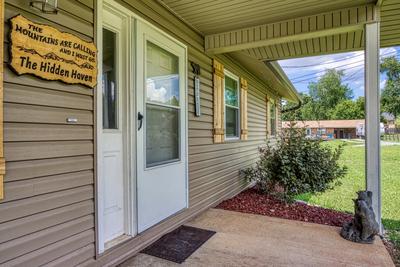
<point>301,71</point>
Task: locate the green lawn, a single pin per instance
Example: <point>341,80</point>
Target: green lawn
<point>340,198</point>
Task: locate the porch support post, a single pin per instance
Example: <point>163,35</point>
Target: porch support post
<point>372,119</point>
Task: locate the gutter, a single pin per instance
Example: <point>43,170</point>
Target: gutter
<point>299,104</point>
<point>284,80</point>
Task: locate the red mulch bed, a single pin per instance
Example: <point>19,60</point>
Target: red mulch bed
<point>394,253</point>
<point>251,201</point>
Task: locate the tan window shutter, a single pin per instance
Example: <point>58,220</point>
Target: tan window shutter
<point>2,161</point>
<point>219,110</point>
<point>243,109</point>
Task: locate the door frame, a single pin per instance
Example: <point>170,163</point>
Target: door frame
<point>131,117</point>
<point>127,122</point>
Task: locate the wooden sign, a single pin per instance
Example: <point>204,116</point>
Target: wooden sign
<point>46,52</point>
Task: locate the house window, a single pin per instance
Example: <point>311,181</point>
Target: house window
<point>308,131</point>
<point>272,112</point>
<point>232,110</point>
<point>321,131</point>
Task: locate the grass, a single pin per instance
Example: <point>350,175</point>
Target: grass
<point>340,198</point>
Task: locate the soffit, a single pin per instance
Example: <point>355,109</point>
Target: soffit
<point>224,22</point>
<point>215,16</point>
<point>243,28</point>
<point>336,43</point>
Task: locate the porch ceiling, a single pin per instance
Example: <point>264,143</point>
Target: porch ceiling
<point>276,29</point>
<point>215,16</point>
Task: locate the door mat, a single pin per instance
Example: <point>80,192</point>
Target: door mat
<point>179,244</point>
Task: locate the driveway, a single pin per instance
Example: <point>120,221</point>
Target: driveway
<point>254,240</point>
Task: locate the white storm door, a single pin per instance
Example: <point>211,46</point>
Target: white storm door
<point>114,130</point>
<point>161,139</point>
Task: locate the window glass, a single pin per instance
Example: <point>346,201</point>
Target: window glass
<point>162,134</point>
<point>162,106</point>
<point>273,117</point>
<point>162,83</point>
<point>231,92</point>
<point>109,85</point>
<point>321,131</point>
<point>232,114</point>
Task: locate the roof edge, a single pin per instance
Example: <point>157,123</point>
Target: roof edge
<point>283,79</point>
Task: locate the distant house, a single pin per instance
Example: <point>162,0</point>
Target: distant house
<point>390,120</point>
<point>328,129</point>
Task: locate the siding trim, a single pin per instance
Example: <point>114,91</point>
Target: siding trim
<point>2,160</point>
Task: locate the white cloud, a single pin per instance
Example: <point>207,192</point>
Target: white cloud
<point>389,51</point>
<point>382,83</point>
<point>156,94</point>
<point>320,63</point>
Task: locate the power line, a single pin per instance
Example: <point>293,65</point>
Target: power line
<point>323,63</point>
<point>313,78</point>
<point>295,80</point>
<point>323,71</point>
<point>331,61</point>
<point>352,76</point>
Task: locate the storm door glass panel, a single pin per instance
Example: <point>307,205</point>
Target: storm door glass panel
<point>231,107</point>
<point>162,106</point>
<point>109,85</point>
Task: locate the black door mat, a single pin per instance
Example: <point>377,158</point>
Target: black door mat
<point>179,244</point>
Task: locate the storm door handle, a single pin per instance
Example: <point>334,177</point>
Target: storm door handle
<point>140,119</point>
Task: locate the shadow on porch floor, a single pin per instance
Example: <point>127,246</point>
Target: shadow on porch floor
<point>254,240</point>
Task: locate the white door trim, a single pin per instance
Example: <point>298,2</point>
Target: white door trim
<point>99,123</point>
<point>125,67</point>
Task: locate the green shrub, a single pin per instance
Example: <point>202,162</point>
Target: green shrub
<point>296,165</point>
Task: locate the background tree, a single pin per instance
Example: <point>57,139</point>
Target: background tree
<point>390,97</point>
<point>328,92</point>
<point>297,114</point>
<point>328,98</point>
<point>348,110</point>
<point>361,105</point>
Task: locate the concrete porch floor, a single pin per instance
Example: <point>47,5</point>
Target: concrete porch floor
<point>253,240</point>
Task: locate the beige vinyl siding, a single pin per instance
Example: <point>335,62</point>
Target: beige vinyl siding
<point>47,215</point>
<point>390,23</point>
<point>213,168</point>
